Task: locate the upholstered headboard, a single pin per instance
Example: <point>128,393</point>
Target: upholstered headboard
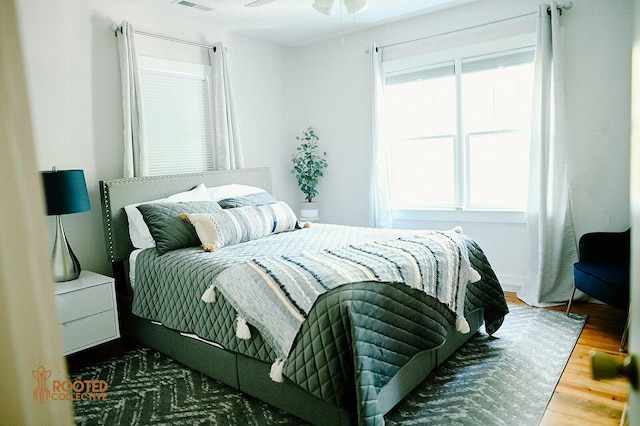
<point>118,193</point>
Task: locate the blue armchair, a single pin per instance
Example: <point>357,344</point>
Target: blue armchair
<point>602,271</point>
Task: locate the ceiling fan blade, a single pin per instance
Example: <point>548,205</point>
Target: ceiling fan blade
<point>354,6</point>
<point>258,3</point>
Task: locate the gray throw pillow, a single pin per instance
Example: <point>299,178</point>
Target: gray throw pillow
<point>166,227</point>
<point>257,199</point>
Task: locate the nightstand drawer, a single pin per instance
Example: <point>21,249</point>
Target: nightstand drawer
<point>88,301</point>
<point>89,331</point>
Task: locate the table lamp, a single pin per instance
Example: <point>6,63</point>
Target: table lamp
<point>65,192</point>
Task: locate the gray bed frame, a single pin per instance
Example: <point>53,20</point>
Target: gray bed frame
<point>239,371</point>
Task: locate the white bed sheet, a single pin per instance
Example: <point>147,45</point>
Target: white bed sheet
<point>132,266</point>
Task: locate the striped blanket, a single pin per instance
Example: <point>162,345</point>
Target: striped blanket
<point>275,293</point>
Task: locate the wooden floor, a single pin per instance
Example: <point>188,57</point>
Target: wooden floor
<point>578,398</point>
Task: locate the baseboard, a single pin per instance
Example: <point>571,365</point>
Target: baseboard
<point>510,283</point>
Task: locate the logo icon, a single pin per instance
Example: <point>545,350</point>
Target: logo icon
<point>41,393</point>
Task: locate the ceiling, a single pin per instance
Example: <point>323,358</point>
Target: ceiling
<point>291,22</point>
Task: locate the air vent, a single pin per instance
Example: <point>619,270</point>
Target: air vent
<point>194,5</point>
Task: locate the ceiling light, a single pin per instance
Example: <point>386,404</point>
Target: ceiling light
<point>353,6</point>
<point>323,6</point>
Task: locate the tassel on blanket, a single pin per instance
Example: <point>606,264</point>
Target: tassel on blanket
<point>302,225</point>
<point>474,276</point>
<point>462,325</point>
<point>276,370</point>
<point>242,330</point>
<point>458,229</point>
<point>209,296</point>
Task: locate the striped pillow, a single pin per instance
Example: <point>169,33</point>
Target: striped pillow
<point>234,226</point>
<point>284,219</point>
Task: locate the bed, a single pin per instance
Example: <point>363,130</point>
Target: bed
<point>355,350</point>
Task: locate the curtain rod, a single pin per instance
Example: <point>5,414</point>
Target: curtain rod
<point>564,6</point>
<point>115,28</point>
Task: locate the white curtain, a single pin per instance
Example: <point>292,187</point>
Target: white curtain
<point>226,142</point>
<point>381,204</point>
<point>552,241</point>
<point>135,163</point>
<point>227,148</point>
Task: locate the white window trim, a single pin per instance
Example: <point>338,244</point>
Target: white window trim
<point>459,215</point>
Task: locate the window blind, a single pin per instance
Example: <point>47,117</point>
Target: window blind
<point>177,121</point>
<point>424,73</point>
<point>498,60</point>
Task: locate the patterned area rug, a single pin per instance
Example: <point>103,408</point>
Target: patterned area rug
<point>506,379</point>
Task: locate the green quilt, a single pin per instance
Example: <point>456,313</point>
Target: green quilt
<point>356,336</point>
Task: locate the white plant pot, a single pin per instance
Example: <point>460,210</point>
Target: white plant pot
<point>309,212</point>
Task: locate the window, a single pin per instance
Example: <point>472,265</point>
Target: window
<point>458,128</point>
<point>177,118</point>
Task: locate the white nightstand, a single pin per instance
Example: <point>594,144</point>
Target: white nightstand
<point>87,311</point>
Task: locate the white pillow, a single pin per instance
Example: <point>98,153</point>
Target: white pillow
<point>139,232</point>
<point>217,193</point>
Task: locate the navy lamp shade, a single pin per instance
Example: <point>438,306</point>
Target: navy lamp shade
<point>65,193</point>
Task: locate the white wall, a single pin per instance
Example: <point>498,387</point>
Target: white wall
<point>598,42</point>
<point>597,74</point>
<point>73,78</point>
<point>72,72</point>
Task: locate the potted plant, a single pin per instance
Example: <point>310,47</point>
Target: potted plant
<point>308,165</point>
